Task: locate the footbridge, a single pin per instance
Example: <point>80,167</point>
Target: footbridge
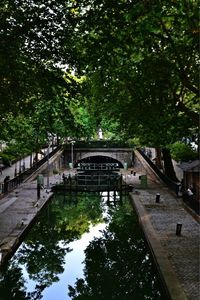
<point>101,152</point>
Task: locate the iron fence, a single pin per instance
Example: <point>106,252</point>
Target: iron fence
<point>8,186</point>
<point>174,186</point>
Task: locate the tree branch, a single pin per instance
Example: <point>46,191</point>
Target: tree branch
<point>183,108</point>
<point>183,76</point>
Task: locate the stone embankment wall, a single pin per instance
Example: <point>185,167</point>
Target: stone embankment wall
<point>141,165</point>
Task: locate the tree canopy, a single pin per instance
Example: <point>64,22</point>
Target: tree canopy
<point>142,62</point>
<point>139,60</point>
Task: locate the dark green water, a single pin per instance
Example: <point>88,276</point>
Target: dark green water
<point>81,248</point>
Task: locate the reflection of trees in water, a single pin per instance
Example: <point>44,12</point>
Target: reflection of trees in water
<point>12,284</point>
<point>43,252</point>
<point>117,265</point>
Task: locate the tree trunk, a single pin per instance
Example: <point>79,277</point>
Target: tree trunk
<point>168,165</point>
<point>58,140</point>
<point>158,158</point>
<point>36,156</point>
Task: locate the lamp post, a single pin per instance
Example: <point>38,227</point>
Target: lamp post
<point>15,174</point>
<point>24,164</point>
<point>19,166</point>
<point>48,166</point>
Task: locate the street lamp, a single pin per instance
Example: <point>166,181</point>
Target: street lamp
<point>48,166</point>
<point>15,174</point>
<point>24,164</point>
<point>48,150</point>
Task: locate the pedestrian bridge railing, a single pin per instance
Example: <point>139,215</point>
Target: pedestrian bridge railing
<point>98,166</point>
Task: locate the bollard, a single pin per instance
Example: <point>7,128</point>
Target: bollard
<point>178,229</point>
<point>157,198</point>
<point>134,173</point>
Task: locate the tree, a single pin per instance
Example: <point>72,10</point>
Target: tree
<point>146,66</point>
<point>31,42</point>
<point>55,110</point>
<point>143,49</point>
<point>144,74</point>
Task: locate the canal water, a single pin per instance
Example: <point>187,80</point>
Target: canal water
<point>83,247</point>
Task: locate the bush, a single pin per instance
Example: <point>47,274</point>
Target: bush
<point>182,152</point>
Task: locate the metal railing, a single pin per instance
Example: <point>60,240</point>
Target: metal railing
<point>19,179</point>
<point>92,182</point>
<point>170,183</point>
<point>106,180</point>
<point>98,166</point>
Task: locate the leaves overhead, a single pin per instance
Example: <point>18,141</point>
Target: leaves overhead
<point>140,59</point>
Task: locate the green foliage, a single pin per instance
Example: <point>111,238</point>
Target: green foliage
<point>31,44</point>
<point>141,83</point>
<point>144,75</point>
<point>182,152</point>
<point>57,109</point>
<point>21,135</point>
<point>7,158</point>
<point>83,119</point>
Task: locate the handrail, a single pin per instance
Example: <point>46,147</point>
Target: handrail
<point>19,179</point>
<point>98,166</point>
<point>84,182</point>
<point>170,183</point>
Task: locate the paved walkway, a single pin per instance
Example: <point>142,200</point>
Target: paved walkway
<point>18,209</point>
<point>177,256</point>
<point>10,171</point>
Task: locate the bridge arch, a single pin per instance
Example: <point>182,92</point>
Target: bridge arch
<point>100,158</point>
<point>121,155</point>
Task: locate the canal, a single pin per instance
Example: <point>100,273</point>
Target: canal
<point>83,247</point>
